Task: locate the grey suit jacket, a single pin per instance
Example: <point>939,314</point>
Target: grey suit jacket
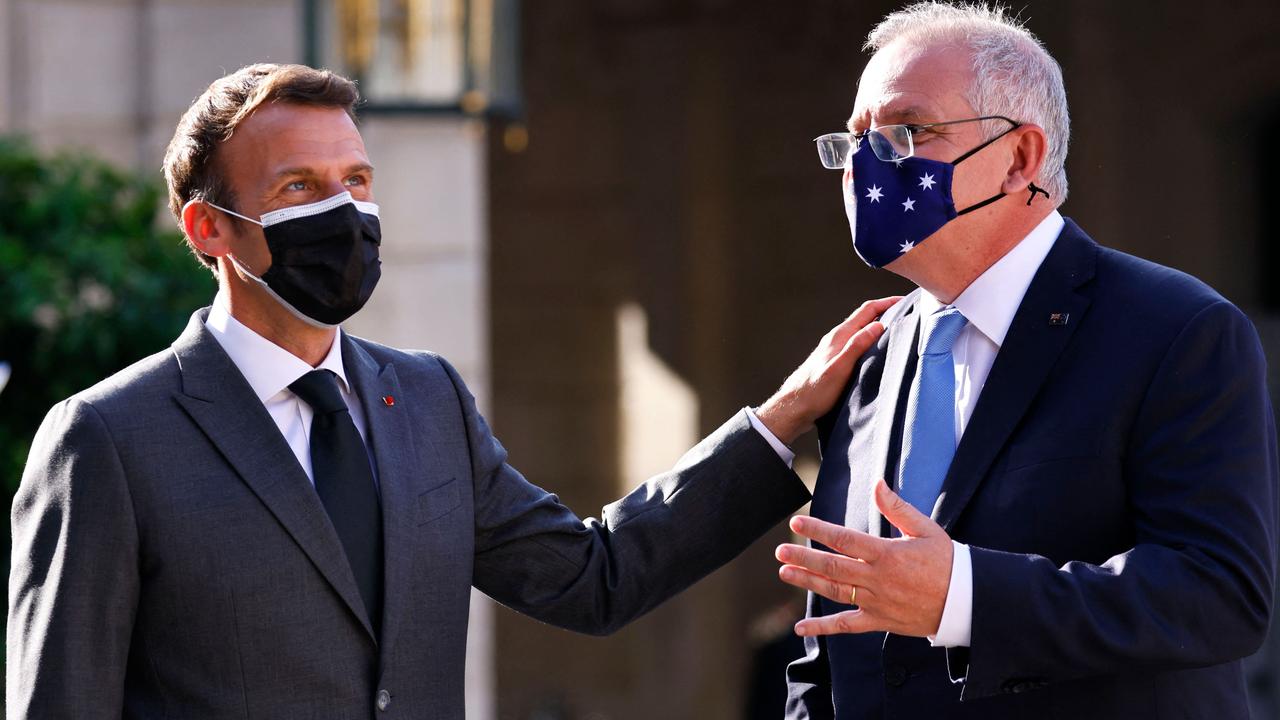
<point>171,559</point>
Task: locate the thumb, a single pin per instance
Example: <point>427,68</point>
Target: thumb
<point>903,514</point>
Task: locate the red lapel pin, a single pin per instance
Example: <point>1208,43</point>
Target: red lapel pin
<point>389,400</point>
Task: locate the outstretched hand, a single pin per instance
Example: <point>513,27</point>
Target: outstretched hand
<point>898,584</point>
<point>813,388</point>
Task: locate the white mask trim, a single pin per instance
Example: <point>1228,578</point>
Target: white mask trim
<point>316,208</point>
<point>283,303</point>
<point>276,217</point>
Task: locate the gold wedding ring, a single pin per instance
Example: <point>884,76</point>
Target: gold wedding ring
<point>853,595</point>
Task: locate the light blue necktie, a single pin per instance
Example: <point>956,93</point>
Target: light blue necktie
<point>929,442</point>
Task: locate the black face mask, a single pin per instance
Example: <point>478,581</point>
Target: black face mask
<point>324,257</point>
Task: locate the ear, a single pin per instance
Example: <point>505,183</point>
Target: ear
<point>1028,157</point>
<point>208,230</point>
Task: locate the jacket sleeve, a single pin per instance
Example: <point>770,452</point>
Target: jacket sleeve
<point>536,556</point>
<point>73,586</point>
<point>1196,587</point>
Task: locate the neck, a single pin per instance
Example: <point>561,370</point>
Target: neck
<point>258,311</point>
<point>946,265</point>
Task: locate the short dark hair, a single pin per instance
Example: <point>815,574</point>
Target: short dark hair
<point>190,162</point>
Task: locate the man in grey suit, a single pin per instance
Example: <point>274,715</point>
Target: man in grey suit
<point>273,519</point>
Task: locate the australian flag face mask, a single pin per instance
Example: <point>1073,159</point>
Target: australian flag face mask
<point>895,205</point>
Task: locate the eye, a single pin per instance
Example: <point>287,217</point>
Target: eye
<point>296,185</point>
<point>922,134</point>
<point>355,180</point>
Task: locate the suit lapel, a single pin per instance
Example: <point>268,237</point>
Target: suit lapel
<point>220,401</point>
<point>864,471</point>
<point>1030,350</point>
<point>397,456</point>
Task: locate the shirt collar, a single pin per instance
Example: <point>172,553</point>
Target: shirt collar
<point>991,301</point>
<point>268,367</point>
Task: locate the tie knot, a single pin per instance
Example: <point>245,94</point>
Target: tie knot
<point>940,331</point>
<point>319,389</point>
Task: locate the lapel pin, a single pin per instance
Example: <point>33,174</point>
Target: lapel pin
<point>389,400</point>
<point>1059,318</point>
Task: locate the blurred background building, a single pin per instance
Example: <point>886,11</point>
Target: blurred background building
<point>610,216</point>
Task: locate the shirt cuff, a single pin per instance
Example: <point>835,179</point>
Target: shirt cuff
<point>956,628</point>
<point>778,446</point>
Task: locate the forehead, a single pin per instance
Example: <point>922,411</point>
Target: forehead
<point>908,81</point>
<point>289,135</point>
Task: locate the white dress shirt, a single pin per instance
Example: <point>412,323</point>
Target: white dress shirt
<point>270,370</point>
<point>989,303</point>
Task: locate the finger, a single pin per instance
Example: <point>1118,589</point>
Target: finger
<point>902,514</point>
<point>859,319</point>
<point>835,591</point>
<point>830,565</point>
<point>849,621</point>
<point>826,587</point>
<point>841,539</point>
<point>856,346</point>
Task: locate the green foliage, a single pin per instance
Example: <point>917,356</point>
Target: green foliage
<point>90,281</point>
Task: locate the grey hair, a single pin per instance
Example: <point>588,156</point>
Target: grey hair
<point>1013,74</point>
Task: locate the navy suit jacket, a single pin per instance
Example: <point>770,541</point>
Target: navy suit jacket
<point>1117,486</point>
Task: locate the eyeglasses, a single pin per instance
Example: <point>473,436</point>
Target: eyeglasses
<point>890,143</point>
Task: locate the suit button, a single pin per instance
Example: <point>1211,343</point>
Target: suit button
<point>384,700</point>
<point>895,675</point>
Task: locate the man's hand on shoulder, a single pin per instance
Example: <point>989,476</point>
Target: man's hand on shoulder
<point>811,391</point>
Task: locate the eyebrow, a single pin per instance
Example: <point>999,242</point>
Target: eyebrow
<point>309,172</point>
<point>910,115</point>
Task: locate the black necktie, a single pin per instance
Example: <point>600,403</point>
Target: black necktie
<point>344,481</point>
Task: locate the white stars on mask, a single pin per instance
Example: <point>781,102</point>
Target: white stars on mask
<point>926,181</point>
<point>897,161</point>
<point>874,194</point>
<point>909,205</point>
<point>906,245</point>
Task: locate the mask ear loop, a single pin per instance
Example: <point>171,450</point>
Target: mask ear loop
<point>233,212</point>
<point>971,153</point>
<point>983,146</point>
<point>234,259</point>
<point>1033,189</point>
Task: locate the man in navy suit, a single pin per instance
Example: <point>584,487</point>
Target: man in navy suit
<point>1079,518</point>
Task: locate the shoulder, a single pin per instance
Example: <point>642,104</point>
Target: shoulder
<point>138,389</point>
<point>1151,300</point>
<point>1150,285</point>
<point>92,422</point>
<point>1145,299</point>
<point>413,367</point>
